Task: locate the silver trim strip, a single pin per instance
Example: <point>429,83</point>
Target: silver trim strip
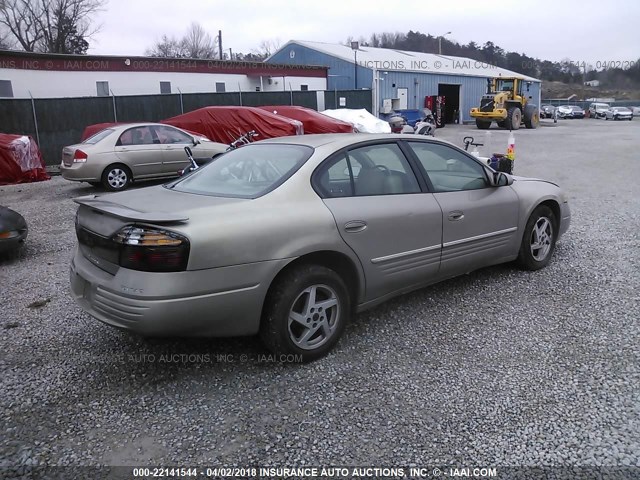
<point>479,237</point>
<point>404,254</point>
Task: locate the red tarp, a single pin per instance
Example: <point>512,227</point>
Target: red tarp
<point>91,130</point>
<point>20,160</point>
<point>313,122</point>
<point>225,124</point>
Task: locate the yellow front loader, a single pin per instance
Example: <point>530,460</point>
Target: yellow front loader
<point>507,104</point>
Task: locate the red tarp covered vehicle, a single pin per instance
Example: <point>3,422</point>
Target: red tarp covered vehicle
<point>312,121</point>
<point>225,124</point>
<point>20,160</point>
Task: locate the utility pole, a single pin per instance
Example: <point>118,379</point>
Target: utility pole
<point>440,42</point>
<point>355,46</point>
<point>220,43</point>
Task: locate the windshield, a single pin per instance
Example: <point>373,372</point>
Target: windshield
<point>504,85</point>
<point>92,140</point>
<point>247,172</point>
<point>576,108</point>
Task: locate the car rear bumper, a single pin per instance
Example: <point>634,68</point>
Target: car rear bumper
<point>10,244</point>
<point>217,302</point>
<point>81,172</point>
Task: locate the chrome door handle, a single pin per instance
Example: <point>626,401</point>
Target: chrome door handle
<point>457,215</point>
<point>355,226</point>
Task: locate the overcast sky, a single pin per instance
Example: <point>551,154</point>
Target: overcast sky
<point>578,30</point>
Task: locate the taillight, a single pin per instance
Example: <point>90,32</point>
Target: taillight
<point>79,157</point>
<point>152,250</point>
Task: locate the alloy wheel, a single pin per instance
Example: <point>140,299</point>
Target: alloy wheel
<point>314,317</point>
<point>541,239</point>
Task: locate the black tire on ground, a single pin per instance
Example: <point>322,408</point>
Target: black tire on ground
<point>514,118</point>
<point>502,124</point>
<point>483,124</point>
<point>116,177</point>
<point>539,239</point>
<point>531,116</point>
<point>299,293</point>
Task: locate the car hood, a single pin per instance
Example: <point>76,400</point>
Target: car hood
<point>528,179</point>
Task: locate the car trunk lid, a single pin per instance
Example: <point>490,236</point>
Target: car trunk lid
<point>100,217</point>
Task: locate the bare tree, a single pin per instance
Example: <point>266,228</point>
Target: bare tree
<point>266,48</point>
<point>168,47</point>
<point>54,26</point>
<point>196,43</point>
<point>19,17</point>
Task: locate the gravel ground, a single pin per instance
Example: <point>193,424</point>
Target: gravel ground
<point>496,368</point>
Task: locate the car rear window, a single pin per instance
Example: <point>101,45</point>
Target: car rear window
<point>247,172</point>
<point>93,139</point>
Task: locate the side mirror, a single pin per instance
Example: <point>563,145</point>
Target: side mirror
<point>196,142</point>
<point>500,179</point>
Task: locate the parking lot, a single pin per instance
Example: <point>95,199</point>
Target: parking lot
<point>497,368</point>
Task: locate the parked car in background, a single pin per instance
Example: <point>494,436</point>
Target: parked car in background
<point>598,110</point>
<point>547,111</point>
<point>116,156</point>
<point>577,112</point>
<point>13,230</point>
<point>619,113</point>
<point>289,237</point>
<point>565,111</point>
<point>570,111</point>
<point>635,111</point>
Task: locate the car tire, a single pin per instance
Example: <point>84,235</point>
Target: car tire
<point>531,116</point>
<point>483,124</point>
<point>539,239</point>
<point>295,323</point>
<point>116,177</point>
<point>514,118</point>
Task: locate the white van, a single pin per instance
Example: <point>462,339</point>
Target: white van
<point>598,110</point>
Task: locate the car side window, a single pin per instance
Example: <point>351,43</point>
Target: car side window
<point>136,136</point>
<point>448,169</point>
<point>333,179</point>
<point>172,135</point>
<point>381,170</point>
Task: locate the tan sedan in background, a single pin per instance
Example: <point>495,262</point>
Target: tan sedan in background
<point>116,156</point>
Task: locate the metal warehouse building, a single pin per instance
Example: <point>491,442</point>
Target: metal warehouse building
<point>401,79</point>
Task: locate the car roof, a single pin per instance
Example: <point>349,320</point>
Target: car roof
<point>346,139</point>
